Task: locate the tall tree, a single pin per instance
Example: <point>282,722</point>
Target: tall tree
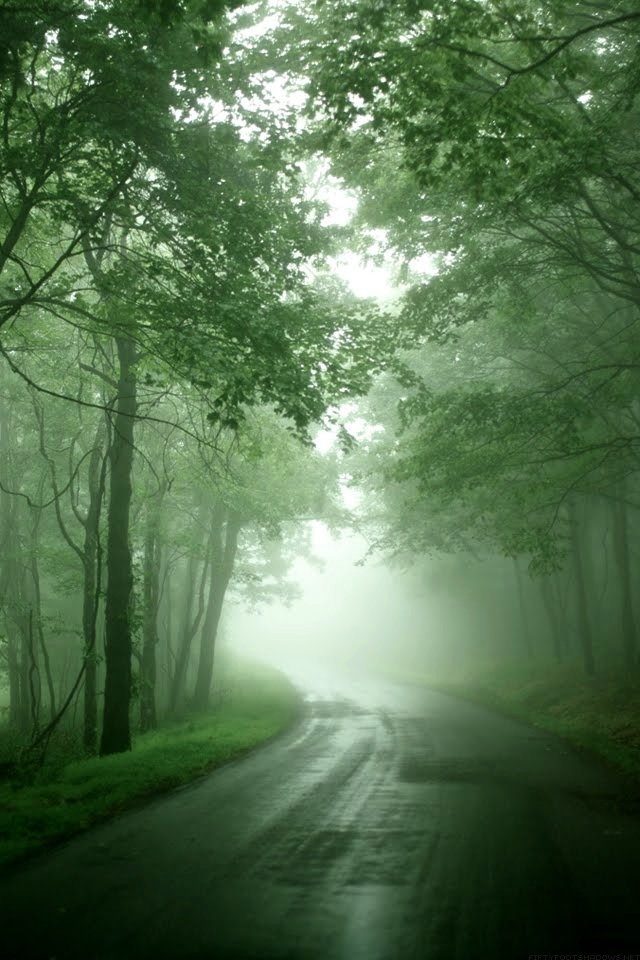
<point>225,529</point>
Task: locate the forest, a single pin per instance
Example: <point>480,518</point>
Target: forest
<point>179,182</point>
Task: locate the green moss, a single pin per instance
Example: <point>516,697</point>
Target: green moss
<point>80,793</point>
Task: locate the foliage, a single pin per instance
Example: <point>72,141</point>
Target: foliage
<point>69,798</point>
<point>497,139</point>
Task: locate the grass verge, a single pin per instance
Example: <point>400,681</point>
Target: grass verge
<point>66,798</point>
<point>602,719</point>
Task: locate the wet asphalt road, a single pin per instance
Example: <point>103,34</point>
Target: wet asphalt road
<point>391,822</point>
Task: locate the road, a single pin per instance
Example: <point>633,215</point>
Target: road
<point>391,822</point>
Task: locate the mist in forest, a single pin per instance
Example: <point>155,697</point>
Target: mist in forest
<point>352,612</point>
<point>319,374</point>
<point>242,272</point>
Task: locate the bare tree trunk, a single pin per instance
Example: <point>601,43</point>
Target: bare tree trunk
<point>35,577</point>
<point>9,576</point>
<point>35,685</point>
<point>19,659</point>
<point>561,599</point>
<point>17,641</point>
<point>584,623</point>
<point>221,569</point>
<point>189,625</point>
<point>88,554</point>
<point>13,664</point>
<point>26,702</point>
<point>90,592</point>
<point>116,734</point>
<point>165,650</point>
<point>151,595</point>
<point>524,618</point>
<point>622,555</point>
<point>549,598</point>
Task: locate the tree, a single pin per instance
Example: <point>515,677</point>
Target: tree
<point>498,427</point>
<point>223,539</point>
<point>495,142</point>
<point>183,238</point>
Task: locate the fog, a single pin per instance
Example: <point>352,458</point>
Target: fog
<point>444,617</point>
<point>319,479</point>
<point>350,611</point>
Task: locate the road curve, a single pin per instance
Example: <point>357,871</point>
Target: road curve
<point>392,822</point>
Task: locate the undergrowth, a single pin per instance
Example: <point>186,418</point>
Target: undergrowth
<point>601,716</point>
<point>68,793</point>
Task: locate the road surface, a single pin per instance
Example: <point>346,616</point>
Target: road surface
<point>392,822</point>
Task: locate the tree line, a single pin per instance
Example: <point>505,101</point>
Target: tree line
<point>494,147</point>
<point>162,346</point>
<point>171,333</point>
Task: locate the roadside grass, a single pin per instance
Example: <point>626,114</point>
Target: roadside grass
<point>67,796</point>
<point>601,718</point>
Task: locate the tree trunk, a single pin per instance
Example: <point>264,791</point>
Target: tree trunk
<point>621,551</point>
<point>35,577</point>
<point>91,591</point>
<point>165,650</point>
<point>35,683</point>
<point>561,598</point>
<point>189,625</point>
<point>584,624</point>
<point>526,633</point>
<point>151,595</point>
<point>13,664</point>
<point>9,577</point>
<point>26,664</point>
<point>221,569</point>
<point>17,645</point>
<point>549,599</point>
<point>116,735</point>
